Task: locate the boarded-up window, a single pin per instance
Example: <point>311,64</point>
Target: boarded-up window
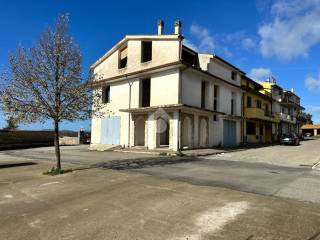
<point>123,57</point>
<point>146,51</point>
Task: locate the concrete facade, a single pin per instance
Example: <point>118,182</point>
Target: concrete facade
<point>157,93</point>
<point>182,110</point>
<point>257,112</point>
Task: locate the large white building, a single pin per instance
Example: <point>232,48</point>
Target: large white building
<point>158,93</point>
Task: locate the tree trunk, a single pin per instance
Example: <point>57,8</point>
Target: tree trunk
<point>56,143</point>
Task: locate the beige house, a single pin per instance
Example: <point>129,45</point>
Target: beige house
<point>158,93</point>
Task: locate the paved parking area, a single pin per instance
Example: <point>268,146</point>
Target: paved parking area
<point>250,194</point>
<point>72,154</point>
<point>122,205</point>
<point>304,155</point>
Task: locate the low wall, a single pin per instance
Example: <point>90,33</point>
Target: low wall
<point>24,139</point>
<point>69,141</point>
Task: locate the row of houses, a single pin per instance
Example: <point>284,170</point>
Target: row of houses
<point>158,93</point>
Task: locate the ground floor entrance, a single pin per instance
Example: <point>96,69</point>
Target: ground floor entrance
<point>257,131</point>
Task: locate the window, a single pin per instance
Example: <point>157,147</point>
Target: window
<point>145,92</point>
<point>267,109</point>
<point>146,51</point>
<point>215,98</point>
<point>261,130</point>
<point>249,102</point>
<point>233,75</point>
<point>251,128</point>
<point>233,103</point>
<point>203,94</point>
<point>215,119</point>
<point>123,58</point>
<point>258,104</point>
<point>106,94</point>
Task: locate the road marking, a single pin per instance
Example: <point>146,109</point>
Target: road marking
<point>35,224</point>
<point>49,183</point>
<point>214,219</point>
<point>8,196</point>
<point>316,165</point>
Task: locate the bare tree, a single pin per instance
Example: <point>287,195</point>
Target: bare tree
<point>46,82</point>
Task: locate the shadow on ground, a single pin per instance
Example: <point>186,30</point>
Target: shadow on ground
<point>10,165</point>
<point>143,163</point>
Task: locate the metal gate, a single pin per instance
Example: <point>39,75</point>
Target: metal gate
<point>229,133</point>
<point>110,130</point>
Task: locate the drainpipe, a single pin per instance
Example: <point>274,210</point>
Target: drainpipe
<point>129,111</point>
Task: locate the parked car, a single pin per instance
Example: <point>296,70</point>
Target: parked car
<point>290,139</point>
<point>308,134</point>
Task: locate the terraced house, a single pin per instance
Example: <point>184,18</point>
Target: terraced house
<point>158,93</point>
<point>258,117</point>
<point>286,107</point>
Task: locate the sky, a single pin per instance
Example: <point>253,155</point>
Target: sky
<point>280,38</point>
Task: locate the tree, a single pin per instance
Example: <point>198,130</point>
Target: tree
<point>305,118</point>
<point>11,123</point>
<point>46,82</point>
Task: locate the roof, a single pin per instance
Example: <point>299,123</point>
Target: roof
<point>311,126</point>
<point>134,37</point>
<point>227,63</point>
<point>252,81</point>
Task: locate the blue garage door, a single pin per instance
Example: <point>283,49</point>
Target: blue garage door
<point>110,130</point>
<point>229,133</point>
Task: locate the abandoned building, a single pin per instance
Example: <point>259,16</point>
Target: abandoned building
<point>158,93</point>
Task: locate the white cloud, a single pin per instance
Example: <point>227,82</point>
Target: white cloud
<point>240,39</point>
<point>294,28</point>
<point>260,74</point>
<point>248,43</point>
<point>312,84</point>
<point>203,36</point>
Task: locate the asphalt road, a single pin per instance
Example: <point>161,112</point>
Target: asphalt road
<point>296,183</point>
<point>123,205</point>
<point>281,171</point>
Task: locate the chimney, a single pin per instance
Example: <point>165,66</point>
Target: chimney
<point>177,27</point>
<point>292,90</point>
<point>160,27</point>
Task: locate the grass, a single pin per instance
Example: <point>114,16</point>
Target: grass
<point>56,171</point>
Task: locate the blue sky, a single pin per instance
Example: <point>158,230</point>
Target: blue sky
<point>262,37</point>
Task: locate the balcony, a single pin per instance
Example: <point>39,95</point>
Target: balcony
<point>287,118</point>
<point>260,114</point>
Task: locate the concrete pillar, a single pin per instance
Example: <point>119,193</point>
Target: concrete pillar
<point>196,131</point>
<point>152,132</point>
<point>315,131</point>
<point>211,132</point>
<point>174,132</point>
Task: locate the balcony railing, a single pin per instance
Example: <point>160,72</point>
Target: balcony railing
<point>259,113</point>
